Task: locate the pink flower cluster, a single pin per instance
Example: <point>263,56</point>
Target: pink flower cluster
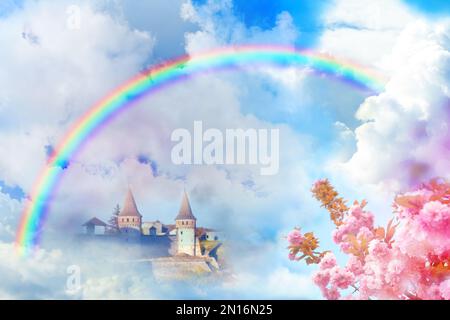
<point>409,259</point>
<point>358,223</point>
<point>331,278</point>
<point>295,237</point>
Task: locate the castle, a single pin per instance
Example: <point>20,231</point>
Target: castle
<point>185,237</point>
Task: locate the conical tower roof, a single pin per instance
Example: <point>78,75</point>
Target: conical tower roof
<point>129,206</point>
<point>185,212</point>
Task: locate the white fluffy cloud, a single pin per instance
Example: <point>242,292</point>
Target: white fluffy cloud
<point>10,210</point>
<point>31,277</point>
<point>227,30</point>
<point>47,275</point>
<point>404,137</point>
<point>364,31</point>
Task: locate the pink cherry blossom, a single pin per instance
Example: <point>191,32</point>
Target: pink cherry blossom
<point>321,278</point>
<point>341,278</point>
<point>355,266</point>
<point>365,233</point>
<point>378,249</point>
<point>295,237</point>
<point>444,288</point>
<point>291,256</point>
<point>435,217</point>
<point>331,293</point>
<point>328,261</point>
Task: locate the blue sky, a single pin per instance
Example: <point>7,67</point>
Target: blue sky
<point>263,14</point>
<point>432,7</point>
<point>170,28</point>
<point>9,6</point>
<point>167,25</point>
<point>307,14</point>
<point>13,192</point>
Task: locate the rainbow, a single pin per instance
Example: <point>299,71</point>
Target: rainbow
<point>159,77</point>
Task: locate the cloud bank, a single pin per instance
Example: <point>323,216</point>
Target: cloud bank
<point>53,74</point>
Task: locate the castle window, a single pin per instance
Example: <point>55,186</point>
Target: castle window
<point>128,219</point>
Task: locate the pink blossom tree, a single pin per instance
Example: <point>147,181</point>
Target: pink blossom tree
<point>408,259</point>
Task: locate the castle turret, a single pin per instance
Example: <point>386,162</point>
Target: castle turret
<point>186,223</point>
<point>130,219</point>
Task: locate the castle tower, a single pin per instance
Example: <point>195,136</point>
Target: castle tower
<point>185,224</point>
<point>130,219</point>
